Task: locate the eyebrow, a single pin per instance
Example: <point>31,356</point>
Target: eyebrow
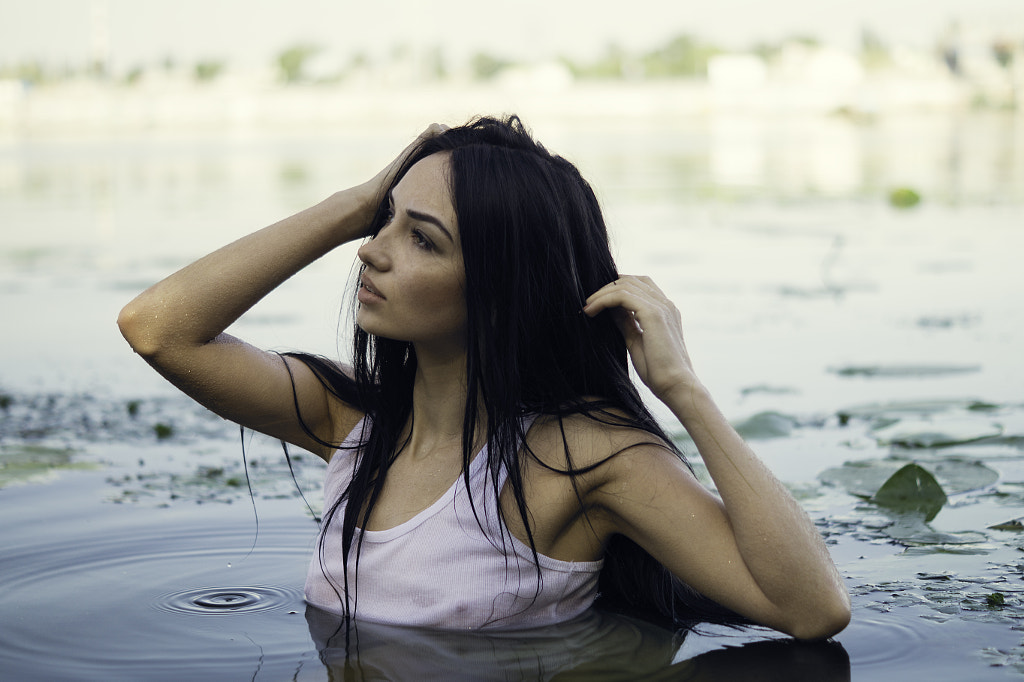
<point>427,218</point>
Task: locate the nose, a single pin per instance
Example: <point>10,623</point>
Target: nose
<point>374,252</point>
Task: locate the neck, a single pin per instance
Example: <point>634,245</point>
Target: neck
<point>439,404</point>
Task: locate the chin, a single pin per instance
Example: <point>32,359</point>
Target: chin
<point>373,329</point>
<point>365,325</point>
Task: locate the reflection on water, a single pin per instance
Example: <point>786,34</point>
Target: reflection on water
<point>171,593</point>
<point>595,646</point>
<point>948,159</point>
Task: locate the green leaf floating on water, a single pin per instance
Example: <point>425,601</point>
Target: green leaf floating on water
<point>912,489</point>
<point>919,433</point>
<point>766,425</point>
<point>902,371</point>
<point>912,494</point>
<point>903,197</point>
<point>913,530</point>
<point>1014,525</point>
<point>760,426</point>
<point>864,478</point>
<point>996,599</point>
<point>33,463</point>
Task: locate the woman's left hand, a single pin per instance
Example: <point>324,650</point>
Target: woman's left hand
<point>653,330</point>
<point>750,547</point>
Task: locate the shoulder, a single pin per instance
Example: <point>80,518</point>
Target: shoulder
<point>592,442</point>
<point>325,401</point>
<point>628,480</point>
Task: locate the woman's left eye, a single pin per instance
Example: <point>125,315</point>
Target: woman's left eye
<point>421,241</point>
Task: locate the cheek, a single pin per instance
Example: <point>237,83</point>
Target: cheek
<point>451,301</point>
<point>445,289</point>
<point>437,294</point>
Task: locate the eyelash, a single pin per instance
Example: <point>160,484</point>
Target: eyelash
<point>418,237</point>
<point>420,241</point>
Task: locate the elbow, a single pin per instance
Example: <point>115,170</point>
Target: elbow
<point>136,330</point>
<point>826,621</point>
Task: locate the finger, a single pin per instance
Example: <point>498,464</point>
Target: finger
<point>631,283</point>
<point>433,130</point>
<point>619,294</point>
<point>604,299</point>
<point>610,288</point>
<point>386,176</point>
<point>631,333</point>
<point>627,324</point>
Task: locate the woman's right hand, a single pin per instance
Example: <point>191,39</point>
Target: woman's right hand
<point>377,187</point>
<point>178,325</point>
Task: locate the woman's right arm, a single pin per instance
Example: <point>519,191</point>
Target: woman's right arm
<point>177,325</point>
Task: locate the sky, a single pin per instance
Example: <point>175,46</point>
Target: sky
<point>252,32</point>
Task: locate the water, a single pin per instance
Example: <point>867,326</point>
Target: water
<point>132,551</point>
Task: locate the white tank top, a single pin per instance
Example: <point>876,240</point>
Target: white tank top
<point>439,569</point>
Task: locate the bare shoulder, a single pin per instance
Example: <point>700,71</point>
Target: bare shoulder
<point>612,469</point>
<point>592,441</point>
<point>337,416</point>
<point>313,416</point>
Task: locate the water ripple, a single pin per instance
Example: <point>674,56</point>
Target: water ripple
<point>898,645</point>
<point>229,600</point>
<point>146,602</point>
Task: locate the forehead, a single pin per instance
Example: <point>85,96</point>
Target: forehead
<point>426,188</point>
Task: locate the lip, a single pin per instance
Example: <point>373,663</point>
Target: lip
<point>368,292</point>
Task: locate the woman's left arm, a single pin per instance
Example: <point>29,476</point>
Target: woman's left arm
<point>755,550</point>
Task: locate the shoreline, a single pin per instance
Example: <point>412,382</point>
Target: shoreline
<point>89,108</point>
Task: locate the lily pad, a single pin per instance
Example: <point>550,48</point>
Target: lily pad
<point>863,478</point>
<point>895,410</point>
<point>903,197</point>
<point>32,463</point>
<point>913,490</point>
<point>766,425</point>
<point>902,371</point>
<point>928,434</point>
<point>767,389</point>
<point>920,535</point>
<point>1011,525</point>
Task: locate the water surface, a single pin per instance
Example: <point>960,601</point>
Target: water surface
<point>832,327</point>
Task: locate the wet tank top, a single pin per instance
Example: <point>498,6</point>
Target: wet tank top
<point>443,568</point>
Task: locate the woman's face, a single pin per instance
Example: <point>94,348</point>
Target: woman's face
<point>413,285</point>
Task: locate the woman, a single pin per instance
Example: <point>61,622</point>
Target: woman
<point>490,463</point>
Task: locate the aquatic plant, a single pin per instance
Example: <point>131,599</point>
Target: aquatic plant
<point>913,490</point>
<point>163,431</point>
<point>996,599</point>
<point>904,197</point>
<point>25,463</point>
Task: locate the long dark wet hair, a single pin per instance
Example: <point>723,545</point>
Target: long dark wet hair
<point>535,246</point>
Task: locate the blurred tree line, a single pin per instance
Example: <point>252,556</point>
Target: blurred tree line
<point>683,56</point>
